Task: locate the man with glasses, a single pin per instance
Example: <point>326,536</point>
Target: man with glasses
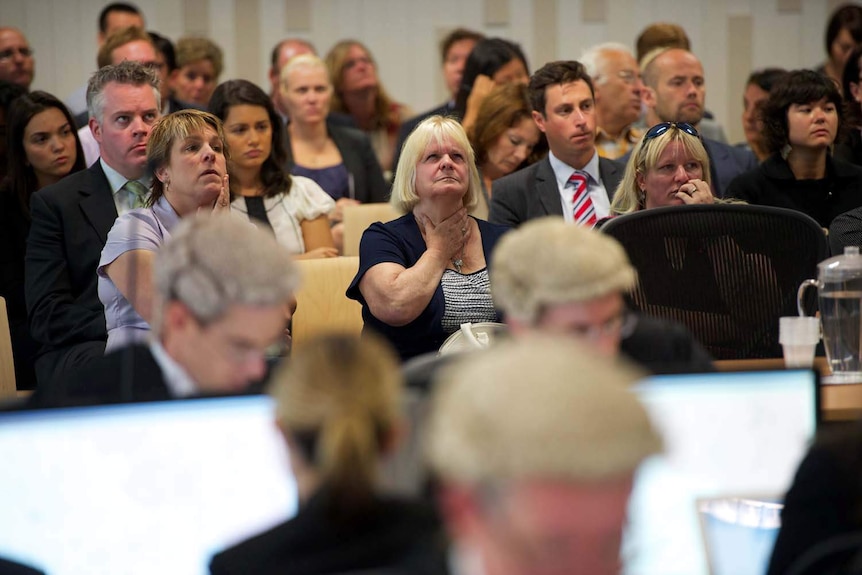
<point>675,91</point>
<point>572,181</point>
<point>618,87</point>
<point>566,280</point>
<point>16,57</point>
<point>223,291</point>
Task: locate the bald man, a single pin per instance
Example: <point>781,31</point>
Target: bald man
<point>16,58</point>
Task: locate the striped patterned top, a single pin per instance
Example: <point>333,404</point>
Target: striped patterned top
<point>468,299</point>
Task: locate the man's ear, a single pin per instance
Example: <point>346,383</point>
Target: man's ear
<point>96,130</point>
<point>540,120</point>
<point>648,96</point>
<point>177,316</point>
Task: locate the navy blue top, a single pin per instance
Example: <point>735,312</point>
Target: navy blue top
<point>335,180</point>
<point>400,241</point>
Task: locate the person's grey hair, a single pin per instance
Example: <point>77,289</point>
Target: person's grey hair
<point>303,61</point>
<point>547,262</point>
<point>595,59</point>
<point>211,263</point>
<point>537,408</point>
<point>439,129</point>
<point>127,72</point>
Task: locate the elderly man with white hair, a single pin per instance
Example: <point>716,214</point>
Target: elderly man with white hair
<point>535,444</point>
<point>617,84</point>
<point>554,278</point>
<point>223,290</point>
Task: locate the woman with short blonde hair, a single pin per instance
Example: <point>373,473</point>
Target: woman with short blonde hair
<point>424,274</point>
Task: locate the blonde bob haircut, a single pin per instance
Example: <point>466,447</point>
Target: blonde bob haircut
<point>629,197</point>
<point>438,129</point>
<point>340,414</point>
<point>547,262</point>
<point>539,408</point>
<point>303,61</point>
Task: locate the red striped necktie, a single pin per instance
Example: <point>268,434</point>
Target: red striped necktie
<point>583,210</point>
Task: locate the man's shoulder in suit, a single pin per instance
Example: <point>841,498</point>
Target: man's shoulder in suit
<point>59,193</point>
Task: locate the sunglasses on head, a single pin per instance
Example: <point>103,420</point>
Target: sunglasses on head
<point>660,129</point>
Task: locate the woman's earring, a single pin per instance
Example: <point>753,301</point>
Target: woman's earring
<point>642,197</point>
<point>785,151</point>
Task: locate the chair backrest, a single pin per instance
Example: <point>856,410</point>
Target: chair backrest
<point>726,271</point>
<point>7,364</point>
<point>321,303</point>
<point>358,218</point>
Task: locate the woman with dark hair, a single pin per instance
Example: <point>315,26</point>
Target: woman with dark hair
<point>757,90</point>
<point>357,91</point>
<point>843,33</point>
<point>493,61</point>
<point>801,120</point>
<point>42,148</point>
<point>849,147</point>
<point>340,419</point>
<point>188,153</point>
<point>503,137</point>
<point>294,207</point>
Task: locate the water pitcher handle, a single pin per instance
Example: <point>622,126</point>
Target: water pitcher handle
<point>801,293</point>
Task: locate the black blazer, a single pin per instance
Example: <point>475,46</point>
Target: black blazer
<point>130,374</point>
<point>394,534</point>
<point>70,224</point>
<point>359,159</point>
<point>532,192</point>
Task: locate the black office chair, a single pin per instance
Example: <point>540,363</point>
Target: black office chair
<point>726,271</point>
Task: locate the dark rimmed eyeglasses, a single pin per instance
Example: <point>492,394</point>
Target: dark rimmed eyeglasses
<point>660,129</point>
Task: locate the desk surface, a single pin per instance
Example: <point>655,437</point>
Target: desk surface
<point>839,402</point>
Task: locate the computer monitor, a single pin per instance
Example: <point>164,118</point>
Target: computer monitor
<point>733,442</point>
<point>140,488</point>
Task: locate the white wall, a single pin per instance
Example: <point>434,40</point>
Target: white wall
<point>730,36</point>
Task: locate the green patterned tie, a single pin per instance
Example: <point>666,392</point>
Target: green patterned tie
<point>139,193</point>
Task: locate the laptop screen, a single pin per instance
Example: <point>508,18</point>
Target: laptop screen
<point>733,442</point>
<point>140,488</point>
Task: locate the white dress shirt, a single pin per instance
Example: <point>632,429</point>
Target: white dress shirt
<point>179,383</point>
<point>123,199</point>
<point>598,194</point>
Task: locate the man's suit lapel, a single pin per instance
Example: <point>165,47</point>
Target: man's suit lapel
<point>719,158</point>
<point>546,189</point>
<point>97,202</point>
<point>609,171</point>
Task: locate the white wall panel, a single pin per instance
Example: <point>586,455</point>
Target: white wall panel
<point>403,35</point>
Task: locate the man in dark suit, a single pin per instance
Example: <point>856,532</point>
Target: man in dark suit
<point>563,101</point>
<point>71,220</point>
<point>675,91</point>
<point>216,313</point>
